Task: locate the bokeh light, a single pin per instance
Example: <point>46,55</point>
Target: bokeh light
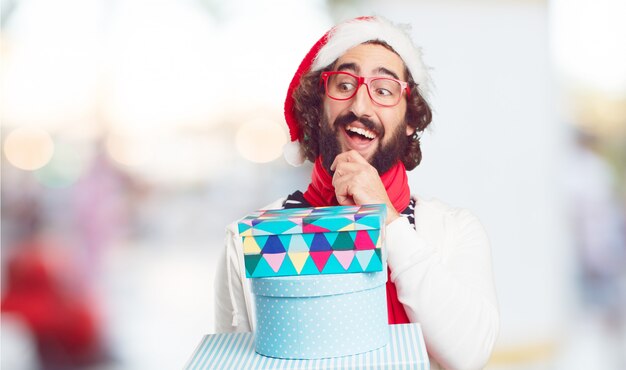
<point>28,148</point>
<point>66,165</point>
<point>260,140</point>
<point>129,150</point>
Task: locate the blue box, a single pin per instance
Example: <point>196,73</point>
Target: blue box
<point>320,316</point>
<point>406,350</point>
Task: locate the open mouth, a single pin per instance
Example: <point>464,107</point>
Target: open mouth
<point>360,133</point>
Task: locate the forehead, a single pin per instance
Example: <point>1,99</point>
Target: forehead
<point>369,59</point>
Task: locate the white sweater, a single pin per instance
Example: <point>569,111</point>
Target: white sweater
<point>443,276</point>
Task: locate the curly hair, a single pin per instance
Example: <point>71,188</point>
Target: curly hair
<point>308,110</point>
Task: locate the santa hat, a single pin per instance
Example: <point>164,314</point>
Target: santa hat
<point>333,45</point>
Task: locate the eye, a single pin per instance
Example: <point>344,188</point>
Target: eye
<point>383,92</point>
<point>385,87</point>
<point>345,86</point>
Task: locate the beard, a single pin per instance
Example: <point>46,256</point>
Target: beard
<point>383,158</point>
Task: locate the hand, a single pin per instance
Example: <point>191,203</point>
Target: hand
<point>357,182</point>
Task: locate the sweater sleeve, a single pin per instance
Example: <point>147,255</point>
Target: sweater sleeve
<point>234,310</point>
<point>444,280</point>
<point>231,313</point>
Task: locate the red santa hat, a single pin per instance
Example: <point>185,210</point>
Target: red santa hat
<point>334,44</point>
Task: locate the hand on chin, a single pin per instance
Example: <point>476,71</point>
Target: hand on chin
<point>356,181</point>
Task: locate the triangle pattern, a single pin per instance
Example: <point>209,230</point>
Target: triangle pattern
<point>344,257</point>
<point>308,239</point>
<point>369,222</point>
<point>273,245</point>
<point>274,226</point>
<point>343,242</point>
<point>375,262</point>
<point>263,268</point>
<point>349,227</point>
<point>250,245</point>
<point>333,223</point>
<point>331,237</point>
<point>296,229</point>
<point>298,243</point>
<point>333,266</point>
<point>364,258</point>
<point>274,260</point>
<point>309,268</point>
<point>320,258</point>
<point>363,241</point>
<point>374,236</point>
<point>311,228</point>
<point>298,259</point>
<point>244,226</point>
<point>287,268</point>
<point>285,240</point>
<point>319,243</point>
<point>260,240</point>
<point>251,262</point>
<point>355,266</point>
<point>352,234</point>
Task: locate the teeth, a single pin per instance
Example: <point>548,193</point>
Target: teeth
<point>363,132</point>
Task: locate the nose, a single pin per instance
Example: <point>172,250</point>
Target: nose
<point>361,102</point>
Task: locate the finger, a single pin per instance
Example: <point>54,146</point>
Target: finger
<point>349,156</point>
<point>354,156</point>
<point>345,201</point>
<point>343,195</point>
<point>338,159</point>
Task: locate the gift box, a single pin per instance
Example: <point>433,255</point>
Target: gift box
<point>406,350</point>
<point>320,316</point>
<point>313,241</point>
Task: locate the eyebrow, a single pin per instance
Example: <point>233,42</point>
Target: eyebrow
<point>354,68</point>
<point>383,70</point>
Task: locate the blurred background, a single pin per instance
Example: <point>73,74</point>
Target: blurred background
<point>134,131</point>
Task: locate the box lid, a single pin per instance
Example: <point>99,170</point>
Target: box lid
<point>317,285</point>
<point>313,220</point>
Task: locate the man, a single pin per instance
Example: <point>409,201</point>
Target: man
<point>356,108</point>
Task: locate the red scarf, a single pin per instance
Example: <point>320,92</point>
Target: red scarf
<point>322,193</point>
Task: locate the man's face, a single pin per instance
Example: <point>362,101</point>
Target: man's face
<point>377,133</point>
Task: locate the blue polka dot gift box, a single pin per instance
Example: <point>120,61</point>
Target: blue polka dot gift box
<point>313,241</point>
<point>320,316</point>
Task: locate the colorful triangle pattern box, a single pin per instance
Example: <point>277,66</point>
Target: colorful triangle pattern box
<point>313,241</point>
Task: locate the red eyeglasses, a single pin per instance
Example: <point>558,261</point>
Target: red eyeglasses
<point>383,91</point>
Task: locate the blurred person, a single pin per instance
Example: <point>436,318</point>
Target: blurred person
<point>356,108</point>
<point>41,290</point>
<point>598,230</point>
<point>101,204</point>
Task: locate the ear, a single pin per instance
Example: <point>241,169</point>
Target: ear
<point>410,130</point>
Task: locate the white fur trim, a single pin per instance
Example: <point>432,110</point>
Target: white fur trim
<point>292,151</point>
<point>352,33</point>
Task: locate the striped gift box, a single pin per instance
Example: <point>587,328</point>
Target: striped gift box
<point>406,350</point>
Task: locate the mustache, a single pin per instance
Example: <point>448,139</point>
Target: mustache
<point>344,120</point>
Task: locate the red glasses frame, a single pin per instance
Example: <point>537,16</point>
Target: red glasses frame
<point>361,80</point>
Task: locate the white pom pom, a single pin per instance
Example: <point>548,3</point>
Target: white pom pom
<point>293,153</point>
